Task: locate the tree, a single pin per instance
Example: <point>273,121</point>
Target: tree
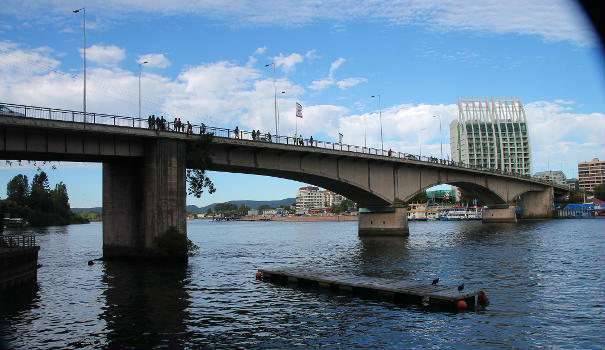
<point>243,209</point>
<point>17,189</point>
<point>599,192</point>
<point>420,198</point>
<point>263,207</point>
<point>198,160</point>
<point>39,196</point>
<point>467,196</point>
<point>60,200</point>
<point>225,208</point>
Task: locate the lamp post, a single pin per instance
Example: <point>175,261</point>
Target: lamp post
<point>277,104</point>
<point>275,98</point>
<point>380,116</point>
<point>83,9</point>
<point>365,132</point>
<point>140,68</point>
<point>440,140</point>
<point>420,142</point>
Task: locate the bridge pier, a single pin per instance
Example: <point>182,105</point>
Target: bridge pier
<point>537,204</point>
<point>387,221</point>
<point>142,199</point>
<point>499,213</point>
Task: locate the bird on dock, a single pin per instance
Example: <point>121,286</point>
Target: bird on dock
<point>461,287</point>
<point>435,281</point>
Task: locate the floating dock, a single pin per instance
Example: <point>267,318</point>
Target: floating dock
<point>440,296</point>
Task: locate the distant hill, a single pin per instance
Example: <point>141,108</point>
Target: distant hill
<point>196,209</point>
<point>98,210</point>
<point>252,204</point>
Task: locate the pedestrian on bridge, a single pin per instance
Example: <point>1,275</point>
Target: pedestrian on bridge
<point>202,129</point>
<point>311,141</point>
<point>236,131</point>
<point>253,134</point>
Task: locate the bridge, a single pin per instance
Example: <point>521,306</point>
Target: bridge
<point>144,185</point>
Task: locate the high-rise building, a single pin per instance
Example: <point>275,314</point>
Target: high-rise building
<point>309,197</point>
<point>554,176</point>
<point>331,198</point>
<point>591,174</point>
<point>491,134</point>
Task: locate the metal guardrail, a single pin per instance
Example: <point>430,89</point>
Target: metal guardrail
<point>17,241</point>
<point>133,122</point>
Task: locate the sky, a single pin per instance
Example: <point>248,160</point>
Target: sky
<point>206,63</point>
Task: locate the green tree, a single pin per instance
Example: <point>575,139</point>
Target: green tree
<point>60,200</point>
<point>39,197</point>
<point>420,198</point>
<point>225,208</point>
<point>467,196</point>
<point>243,209</point>
<point>198,160</point>
<point>17,189</point>
<point>599,192</point>
<point>263,207</point>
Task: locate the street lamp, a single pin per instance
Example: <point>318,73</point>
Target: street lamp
<point>277,103</point>
<point>420,142</point>
<point>275,98</point>
<point>365,132</point>
<point>380,115</point>
<point>83,9</point>
<point>440,140</point>
<point>140,68</point>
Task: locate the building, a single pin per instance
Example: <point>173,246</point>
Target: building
<point>591,174</point>
<point>441,195</point>
<point>331,198</point>
<point>307,198</point>
<point>554,176</point>
<point>572,183</point>
<point>491,134</point>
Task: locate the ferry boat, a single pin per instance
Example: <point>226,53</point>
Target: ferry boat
<point>417,212</point>
<point>462,213</point>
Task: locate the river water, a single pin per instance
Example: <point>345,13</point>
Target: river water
<point>545,281</point>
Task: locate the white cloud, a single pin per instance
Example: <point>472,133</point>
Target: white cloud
<point>287,63</point>
<point>334,66</point>
<point>157,60</point>
<point>555,20</point>
<point>350,82</point>
<point>21,63</point>
<point>104,55</point>
<point>260,50</point>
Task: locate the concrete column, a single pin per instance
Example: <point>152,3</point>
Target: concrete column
<point>537,205</point>
<point>143,198</point>
<point>387,221</point>
<point>499,213</point>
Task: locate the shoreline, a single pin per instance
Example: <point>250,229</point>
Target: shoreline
<point>303,218</point>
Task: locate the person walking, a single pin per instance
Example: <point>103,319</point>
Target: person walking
<point>311,141</point>
<point>236,131</point>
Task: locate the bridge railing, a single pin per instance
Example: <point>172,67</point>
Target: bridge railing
<point>133,122</point>
<point>17,241</point>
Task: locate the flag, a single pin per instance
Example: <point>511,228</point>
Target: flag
<point>298,110</point>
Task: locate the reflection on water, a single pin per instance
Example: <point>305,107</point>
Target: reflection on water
<point>545,280</point>
<point>145,305</point>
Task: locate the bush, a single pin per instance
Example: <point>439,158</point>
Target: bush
<point>174,244</point>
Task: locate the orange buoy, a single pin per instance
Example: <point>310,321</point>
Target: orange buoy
<point>259,275</point>
<point>482,299</point>
<point>461,305</point>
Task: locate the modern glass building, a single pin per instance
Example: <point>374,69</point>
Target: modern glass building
<point>491,134</point>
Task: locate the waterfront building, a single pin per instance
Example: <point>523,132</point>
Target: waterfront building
<point>591,174</point>
<point>491,134</point>
<point>572,183</point>
<point>308,197</point>
<point>554,176</point>
<point>441,195</point>
<point>331,198</point>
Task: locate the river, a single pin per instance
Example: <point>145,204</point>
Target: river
<point>545,281</point>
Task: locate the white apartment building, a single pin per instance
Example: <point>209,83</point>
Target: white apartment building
<point>491,134</point>
<point>591,174</point>
<point>554,176</point>
<point>331,198</point>
<point>307,198</point>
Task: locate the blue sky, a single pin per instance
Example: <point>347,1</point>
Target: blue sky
<point>206,63</point>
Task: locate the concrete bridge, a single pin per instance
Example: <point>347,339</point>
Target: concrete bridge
<point>144,186</point>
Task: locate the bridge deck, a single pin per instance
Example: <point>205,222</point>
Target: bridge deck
<point>400,291</point>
